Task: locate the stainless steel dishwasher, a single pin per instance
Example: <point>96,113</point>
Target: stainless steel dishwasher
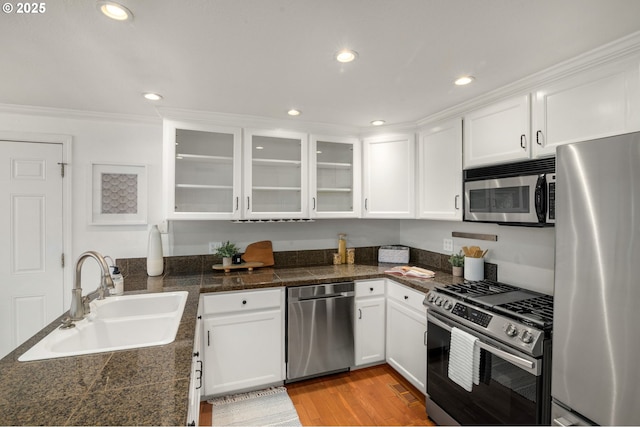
<point>319,329</point>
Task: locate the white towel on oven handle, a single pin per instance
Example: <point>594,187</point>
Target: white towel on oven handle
<point>464,359</point>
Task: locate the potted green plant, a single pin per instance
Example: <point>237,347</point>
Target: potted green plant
<point>226,251</point>
<point>457,263</point>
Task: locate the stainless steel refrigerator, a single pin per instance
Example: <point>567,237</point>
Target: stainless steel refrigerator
<point>596,329</point>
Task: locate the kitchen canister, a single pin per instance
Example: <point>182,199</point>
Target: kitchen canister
<point>351,255</point>
<point>473,268</point>
<point>155,262</point>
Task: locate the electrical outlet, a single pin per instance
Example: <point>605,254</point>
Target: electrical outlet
<point>213,246</point>
<point>447,245</point>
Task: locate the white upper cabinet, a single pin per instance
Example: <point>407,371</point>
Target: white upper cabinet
<point>498,133</point>
<point>275,174</point>
<point>202,172</point>
<point>600,102</point>
<point>335,177</point>
<point>389,176</point>
<point>440,171</point>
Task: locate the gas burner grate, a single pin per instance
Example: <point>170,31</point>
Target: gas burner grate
<point>480,288</point>
<point>538,309</point>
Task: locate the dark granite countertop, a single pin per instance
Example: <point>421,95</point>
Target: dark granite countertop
<point>146,386</point>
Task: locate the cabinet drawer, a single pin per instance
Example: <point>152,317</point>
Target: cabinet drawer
<point>369,288</point>
<point>407,296</point>
<point>242,301</point>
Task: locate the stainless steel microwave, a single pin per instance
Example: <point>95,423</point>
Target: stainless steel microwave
<point>522,193</point>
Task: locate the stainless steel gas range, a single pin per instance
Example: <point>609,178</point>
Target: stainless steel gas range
<point>512,329</point>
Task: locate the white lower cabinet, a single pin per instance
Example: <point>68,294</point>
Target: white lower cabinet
<point>243,340</point>
<point>369,322</point>
<point>195,382</point>
<point>406,329</point>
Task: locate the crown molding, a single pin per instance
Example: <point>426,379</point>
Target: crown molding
<point>64,113</point>
<point>259,122</point>
<point>624,49</point>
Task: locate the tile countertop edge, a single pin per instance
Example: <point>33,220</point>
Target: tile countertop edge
<point>134,387</point>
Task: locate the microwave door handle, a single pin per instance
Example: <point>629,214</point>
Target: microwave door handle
<point>516,360</point>
<point>540,197</point>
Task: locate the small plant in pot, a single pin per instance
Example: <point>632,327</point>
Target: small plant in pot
<point>457,263</point>
<point>227,250</point>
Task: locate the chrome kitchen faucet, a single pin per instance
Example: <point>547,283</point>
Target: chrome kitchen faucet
<point>79,304</point>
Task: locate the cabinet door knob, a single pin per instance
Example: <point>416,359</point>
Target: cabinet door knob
<point>244,302</point>
<point>406,297</point>
<point>371,289</point>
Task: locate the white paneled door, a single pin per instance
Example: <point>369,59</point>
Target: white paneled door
<point>31,272</point>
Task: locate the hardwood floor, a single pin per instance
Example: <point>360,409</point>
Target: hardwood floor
<point>365,397</point>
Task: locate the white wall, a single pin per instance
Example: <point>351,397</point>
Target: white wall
<point>524,255</point>
<point>99,140</point>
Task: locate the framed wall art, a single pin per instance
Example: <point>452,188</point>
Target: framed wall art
<point>118,194</point>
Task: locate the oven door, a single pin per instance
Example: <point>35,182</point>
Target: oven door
<point>503,200</point>
<point>510,389</point>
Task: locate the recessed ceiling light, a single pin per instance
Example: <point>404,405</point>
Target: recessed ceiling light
<point>318,152</point>
<point>259,147</point>
<point>378,122</point>
<point>346,55</point>
<point>152,96</point>
<point>464,80</point>
<point>294,112</point>
<point>114,10</point>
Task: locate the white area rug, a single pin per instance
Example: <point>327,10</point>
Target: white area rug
<point>270,407</point>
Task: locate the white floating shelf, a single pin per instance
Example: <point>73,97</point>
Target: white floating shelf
<point>203,158</point>
<point>334,190</point>
<point>276,162</point>
<point>276,188</point>
<point>334,165</point>
<point>205,187</point>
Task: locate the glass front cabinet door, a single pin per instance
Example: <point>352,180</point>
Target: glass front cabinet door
<point>335,177</point>
<point>202,171</point>
<point>275,175</point>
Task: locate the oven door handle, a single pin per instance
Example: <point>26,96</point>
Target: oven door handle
<point>516,360</point>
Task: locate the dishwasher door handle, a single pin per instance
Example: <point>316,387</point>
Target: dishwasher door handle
<point>325,296</point>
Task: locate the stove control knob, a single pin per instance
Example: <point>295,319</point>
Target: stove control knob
<point>526,337</point>
<point>439,301</point>
<point>431,297</point>
<point>511,330</point>
<point>447,305</point>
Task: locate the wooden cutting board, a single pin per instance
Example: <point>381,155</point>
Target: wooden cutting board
<point>259,252</point>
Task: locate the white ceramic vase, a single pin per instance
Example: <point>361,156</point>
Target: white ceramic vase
<point>155,261</point>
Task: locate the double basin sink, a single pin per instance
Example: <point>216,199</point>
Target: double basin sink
<point>116,323</point>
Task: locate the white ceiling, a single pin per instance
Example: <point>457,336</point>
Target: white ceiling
<point>262,57</point>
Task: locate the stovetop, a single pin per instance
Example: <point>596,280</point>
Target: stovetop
<point>520,304</point>
<point>517,317</point>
